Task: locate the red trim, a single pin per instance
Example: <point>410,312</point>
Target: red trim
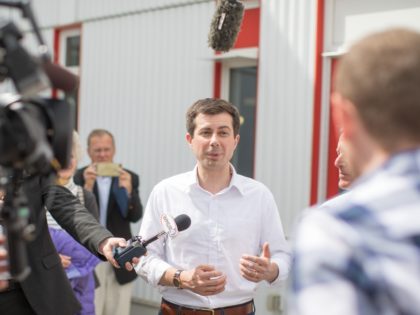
<point>249,34</point>
<point>317,101</point>
<point>56,54</point>
<point>217,79</point>
<point>332,179</point>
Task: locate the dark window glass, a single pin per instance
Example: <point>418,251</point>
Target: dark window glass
<point>243,92</point>
<point>72,51</point>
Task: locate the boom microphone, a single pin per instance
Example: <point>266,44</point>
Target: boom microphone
<point>60,78</point>
<point>137,247</point>
<point>226,24</point>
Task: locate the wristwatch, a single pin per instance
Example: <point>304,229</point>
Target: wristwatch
<point>177,279</point>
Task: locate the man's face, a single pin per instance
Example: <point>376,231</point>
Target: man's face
<point>213,142</point>
<point>101,149</point>
<point>346,174</point>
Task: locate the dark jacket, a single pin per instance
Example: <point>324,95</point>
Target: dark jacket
<point>116,223</point>
<point>47,288</point>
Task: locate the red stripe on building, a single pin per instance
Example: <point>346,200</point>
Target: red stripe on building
<point>317,101</point>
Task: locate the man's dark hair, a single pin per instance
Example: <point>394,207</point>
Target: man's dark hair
<point>212,106</point>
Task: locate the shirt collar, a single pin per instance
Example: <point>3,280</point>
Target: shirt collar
<point>235,182</point>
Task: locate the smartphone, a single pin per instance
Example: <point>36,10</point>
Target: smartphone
<point>108,169</point>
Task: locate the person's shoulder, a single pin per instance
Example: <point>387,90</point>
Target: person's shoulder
<point>250,185</point>
<point>338,202</point>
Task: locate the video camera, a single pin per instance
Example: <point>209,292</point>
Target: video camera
<point>35,132</point>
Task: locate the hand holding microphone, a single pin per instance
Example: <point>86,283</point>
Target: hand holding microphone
<point>137,246</point>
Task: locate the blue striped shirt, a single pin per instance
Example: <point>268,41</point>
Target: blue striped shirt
<point>361,253</point>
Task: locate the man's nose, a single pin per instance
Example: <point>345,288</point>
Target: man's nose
<point>214,140</point>
<point>337,161</point>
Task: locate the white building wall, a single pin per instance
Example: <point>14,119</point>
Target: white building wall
<point>285,103</point>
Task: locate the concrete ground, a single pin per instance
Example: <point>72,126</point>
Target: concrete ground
<point>138,308</point>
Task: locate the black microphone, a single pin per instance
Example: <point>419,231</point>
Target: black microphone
<point>226,24</point>
<point>137,246</point>
<point>60,78</point>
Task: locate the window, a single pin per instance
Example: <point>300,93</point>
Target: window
<point>72,51</point>
<point>242,93</point>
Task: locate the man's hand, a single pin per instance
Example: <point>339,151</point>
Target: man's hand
<point>89,175</point>
<point>203,280</point>
<point>256,269</point>
<point>4,264</point>
<point>125,181</point>
<point>65,260</point>
<point>107,246</point>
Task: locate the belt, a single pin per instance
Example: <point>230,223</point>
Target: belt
<point>169,308</point>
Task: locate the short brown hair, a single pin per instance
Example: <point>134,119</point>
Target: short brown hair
<point>212,106</point>
<point>380,75</point>
<point>100,133</point>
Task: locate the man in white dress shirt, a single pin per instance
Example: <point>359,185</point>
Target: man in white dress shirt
<point>236,238</point>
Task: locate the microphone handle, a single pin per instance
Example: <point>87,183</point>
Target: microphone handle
<point>128,253</point>
<point>154,238</point>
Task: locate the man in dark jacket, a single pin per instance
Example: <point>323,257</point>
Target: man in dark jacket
<point>119,204</point>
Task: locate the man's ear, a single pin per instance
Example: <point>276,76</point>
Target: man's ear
<point>344,115</point>
<point>237,140</point>
<point>188,138</point>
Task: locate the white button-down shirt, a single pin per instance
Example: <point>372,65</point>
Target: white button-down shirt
<point>224,226</point>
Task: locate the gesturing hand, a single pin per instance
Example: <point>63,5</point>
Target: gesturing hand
<point>204,280</point>
<point>256,269</point>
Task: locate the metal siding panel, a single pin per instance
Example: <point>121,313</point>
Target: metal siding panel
<point>285,101</point>
<point>100,8</point>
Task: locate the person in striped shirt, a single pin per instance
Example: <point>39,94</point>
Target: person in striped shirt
<point>362,256</point>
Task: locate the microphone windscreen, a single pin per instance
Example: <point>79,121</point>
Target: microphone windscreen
<point>61,78</point>
<point>183,222</point>
<point>226,24</point>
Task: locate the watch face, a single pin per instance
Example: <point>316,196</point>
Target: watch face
<point>176,279</point>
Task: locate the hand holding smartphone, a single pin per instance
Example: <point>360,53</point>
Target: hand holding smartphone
<point>108,169</point>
